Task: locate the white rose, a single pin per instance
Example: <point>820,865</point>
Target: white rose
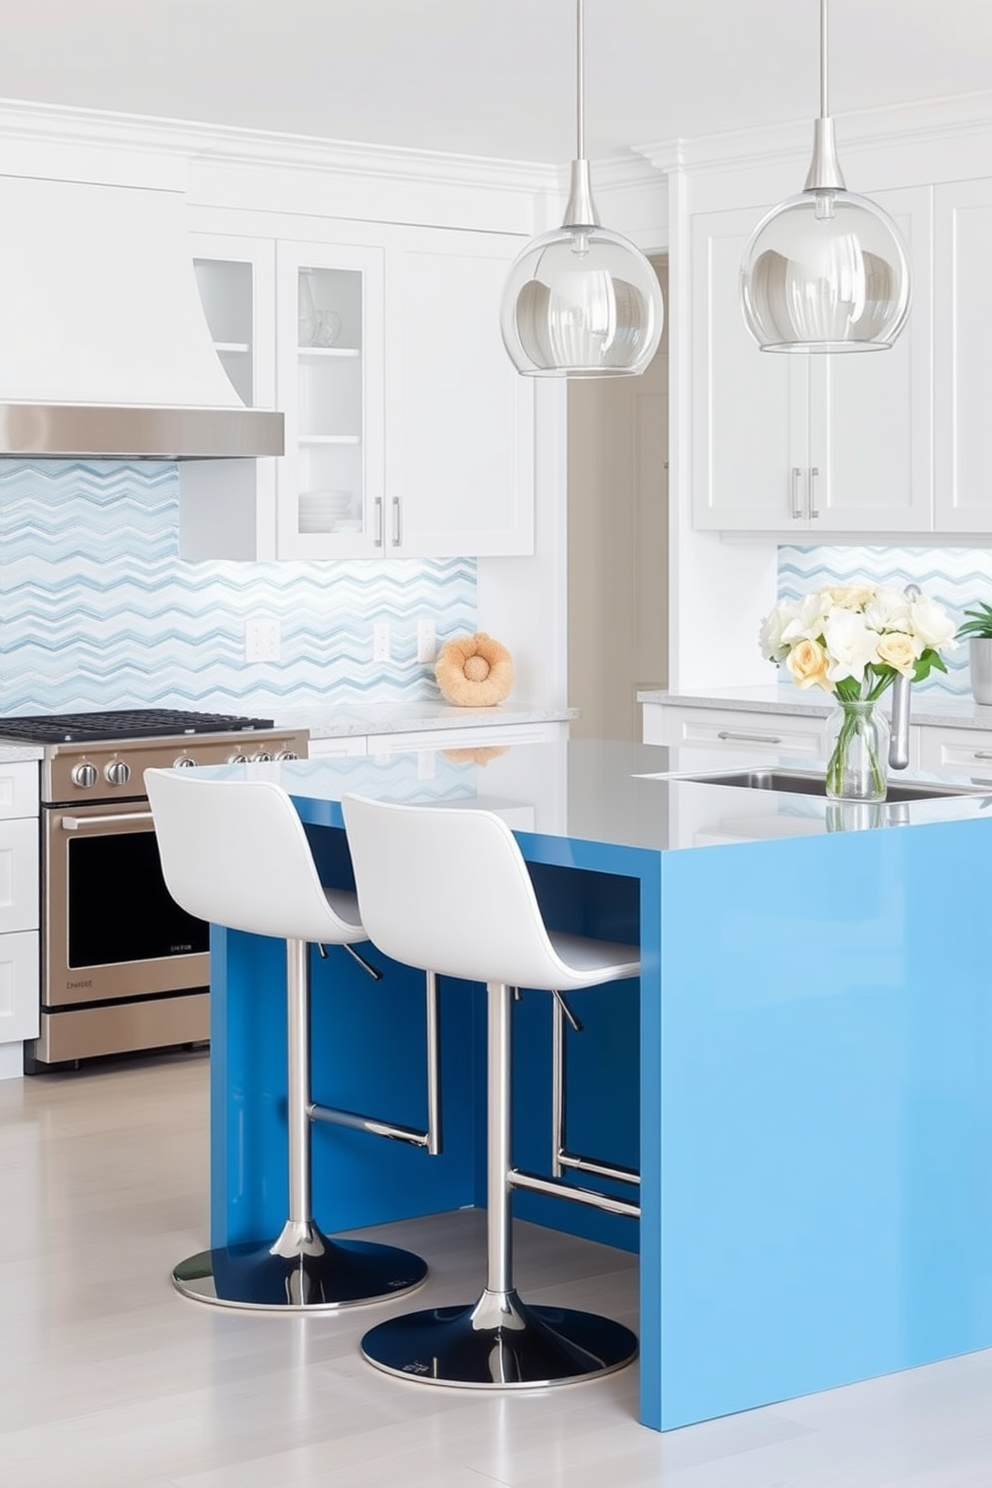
<point>888,610</point>
<point>850,644</point>
<point>773,647</point>
<point>809,616</point>
<point>932,625</point>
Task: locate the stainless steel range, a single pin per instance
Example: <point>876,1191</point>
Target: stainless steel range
<point>122,966</point>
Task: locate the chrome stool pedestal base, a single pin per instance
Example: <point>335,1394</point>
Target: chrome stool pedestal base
<point>499,1341</point>
<point>310,1273</point>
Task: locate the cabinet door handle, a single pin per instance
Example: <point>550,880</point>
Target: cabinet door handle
<point>797,504</point>
<point>982,754</point>
<point>750,738</point>
<point>397,528</point>
<point>379,535</point>
<point>813,509</point>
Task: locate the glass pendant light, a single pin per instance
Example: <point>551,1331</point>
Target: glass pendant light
<point>581,301</point>
<point>825,270</point>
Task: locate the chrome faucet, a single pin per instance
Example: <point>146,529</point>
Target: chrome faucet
<point>899,740</point>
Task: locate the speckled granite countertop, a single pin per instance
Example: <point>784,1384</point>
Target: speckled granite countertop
<point>927,705</point>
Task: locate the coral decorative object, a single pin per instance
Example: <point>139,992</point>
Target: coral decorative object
<point>479,756</point>
<point>474,671</point>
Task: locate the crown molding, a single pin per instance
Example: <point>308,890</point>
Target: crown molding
<point>56,125</point>
<point>961,116</point>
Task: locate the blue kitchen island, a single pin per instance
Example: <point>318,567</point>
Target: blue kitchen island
<point>803,1073</point>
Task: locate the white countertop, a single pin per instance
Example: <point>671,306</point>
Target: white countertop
<point>927,705</point>
<point>335,722</point>
<point>9,752</point>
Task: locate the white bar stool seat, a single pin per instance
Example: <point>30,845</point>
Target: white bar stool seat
<point>448,888</point>
<point>234,852</point>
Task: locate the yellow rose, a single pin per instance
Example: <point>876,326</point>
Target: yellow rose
<point>807,664</point>
<point>898,650</point>
<point>851,596</point>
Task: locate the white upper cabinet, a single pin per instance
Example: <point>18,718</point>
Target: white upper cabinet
<point>329,375</point>
<point>797,444</point>
<point>962,338</point>
<point>408,431</point>
<point>460,425</point>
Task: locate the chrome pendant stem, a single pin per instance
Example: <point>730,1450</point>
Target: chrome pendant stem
<point>580,86</point>
<point>824,172</point>
<point>580,209</point>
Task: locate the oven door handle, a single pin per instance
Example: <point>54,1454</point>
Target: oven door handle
<point>77,823</point>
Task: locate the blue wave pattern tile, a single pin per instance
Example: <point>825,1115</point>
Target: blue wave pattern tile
<point>957,578</point>
<point>97,610</point>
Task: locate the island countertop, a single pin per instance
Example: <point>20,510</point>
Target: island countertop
<point>602,792</point>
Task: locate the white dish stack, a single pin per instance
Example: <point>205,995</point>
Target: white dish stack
<point>328,511</point>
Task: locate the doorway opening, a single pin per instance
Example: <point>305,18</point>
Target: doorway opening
<point>618,543</point>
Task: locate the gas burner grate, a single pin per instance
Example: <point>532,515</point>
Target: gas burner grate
<point>137,723</point>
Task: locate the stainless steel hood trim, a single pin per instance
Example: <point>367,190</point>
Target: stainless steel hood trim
<point>61,431</point>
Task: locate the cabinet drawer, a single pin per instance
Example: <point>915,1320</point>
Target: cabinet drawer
<point>18,875</point>
<point>19,789</point>
<point>964,751</point>
<point>476,736</point>
<point>731,730</point>
<point>345,745</point>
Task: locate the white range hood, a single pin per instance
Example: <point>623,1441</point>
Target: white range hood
<point>105,351</point>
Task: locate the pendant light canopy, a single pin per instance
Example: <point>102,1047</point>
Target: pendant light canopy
<point>825,270</point>
<point>581,301</point>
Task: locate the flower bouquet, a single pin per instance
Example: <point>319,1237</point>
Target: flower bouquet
<point>853,640</point>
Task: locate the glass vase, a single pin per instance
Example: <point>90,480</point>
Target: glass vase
<point>858,743</point>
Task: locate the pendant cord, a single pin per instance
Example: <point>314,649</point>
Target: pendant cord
<point>579,88</point>
<point>824,108</point>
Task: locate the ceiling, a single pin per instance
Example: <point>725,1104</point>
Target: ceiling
<point>493,79</point>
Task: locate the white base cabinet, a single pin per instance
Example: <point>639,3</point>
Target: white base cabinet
<point>711,738</point>
<point>19,911</point>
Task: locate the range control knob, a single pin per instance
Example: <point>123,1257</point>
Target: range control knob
<point>117,772</point>
<point>84,775</point>
<point>263,754</point>
<point>287,754</point>
<point>184,763</point>
<point>237,759</point>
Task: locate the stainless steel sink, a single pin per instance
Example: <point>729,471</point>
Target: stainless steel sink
<point>809,783</point>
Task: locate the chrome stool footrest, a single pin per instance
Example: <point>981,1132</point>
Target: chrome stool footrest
<point>499,1340</point>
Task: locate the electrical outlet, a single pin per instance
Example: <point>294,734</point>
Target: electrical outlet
<point>380,640</point>
<point>263,640</point>
<point>426,641</point>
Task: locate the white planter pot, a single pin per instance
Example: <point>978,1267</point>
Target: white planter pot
<point>980,664</point>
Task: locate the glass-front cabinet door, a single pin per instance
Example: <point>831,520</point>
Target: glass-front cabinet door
<point>330,375</point>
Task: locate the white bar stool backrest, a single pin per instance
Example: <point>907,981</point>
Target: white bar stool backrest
<point>234,852</point>
<point>447,888</point>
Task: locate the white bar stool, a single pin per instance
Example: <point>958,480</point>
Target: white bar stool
<point>447,887</point>
<point>234,852</point>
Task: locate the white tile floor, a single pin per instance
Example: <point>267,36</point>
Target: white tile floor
<point>110,1379</point>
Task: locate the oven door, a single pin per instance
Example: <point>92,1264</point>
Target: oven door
<point>110,928</point>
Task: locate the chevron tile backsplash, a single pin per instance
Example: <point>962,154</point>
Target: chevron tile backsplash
<point>97,609</point>
<point>956,577</point>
